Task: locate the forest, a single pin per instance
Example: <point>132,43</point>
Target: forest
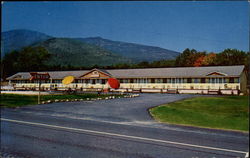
<point>34,59</point>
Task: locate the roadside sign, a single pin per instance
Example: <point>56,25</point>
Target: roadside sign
<point>39,76</point>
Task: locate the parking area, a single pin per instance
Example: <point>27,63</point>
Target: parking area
<point>115,110</point>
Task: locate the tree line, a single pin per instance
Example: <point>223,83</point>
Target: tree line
<point>35,59</point>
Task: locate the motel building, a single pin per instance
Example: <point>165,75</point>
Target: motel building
<point>197,80</point>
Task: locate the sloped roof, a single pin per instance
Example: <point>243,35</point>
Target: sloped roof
<point>229,71</point>
<point>53,74</point>
<point>178,71</point>
<point>100,70</point>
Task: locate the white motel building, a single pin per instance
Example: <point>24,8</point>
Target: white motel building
<point>198,80</point>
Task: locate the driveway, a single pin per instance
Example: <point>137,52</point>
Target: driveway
<point>115,110</point>
<point>110,128</point>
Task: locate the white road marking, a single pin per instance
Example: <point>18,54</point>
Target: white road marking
<point>247,155</point>
<point>125,136</point>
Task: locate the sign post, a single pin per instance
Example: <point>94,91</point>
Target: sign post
<point>39,77</point>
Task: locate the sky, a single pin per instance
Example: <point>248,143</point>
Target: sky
<point>204,26</point>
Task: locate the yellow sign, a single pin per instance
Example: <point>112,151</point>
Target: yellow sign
<point>68,80</point>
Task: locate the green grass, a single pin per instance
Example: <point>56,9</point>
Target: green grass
<point>230,112</point>
<point>15,100</point>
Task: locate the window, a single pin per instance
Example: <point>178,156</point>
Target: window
<point>141,81</point>
<point>220,80</point>
<point>93,81</point>
<point>158,80</point>
<point>177,80</point>
<point>236,80</point>
<point>203,80</point>
<point>173,80</point>
<point>196,80</point>
<point>87,81</point>
<point>103,81</point>
<point>212,80</point>
<point>135,80</point>
<point>189,80</point>
<point>165,80</point>
<point>131,81</point>
<point>231,80</point>
<point>168,80</point>
<point>125,80</point>
<point>152,80</point>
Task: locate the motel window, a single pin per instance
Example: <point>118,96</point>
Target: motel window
<point>189,80</point>
<point>173,80</point>
<point>203,80</point>
<point>93,81</point>
<point>226,80</point>
<point>158,80</point>
<point>131,81</point>
<point>87,81</point>
<point>168,80</point>
<point>220,80</point>
<point>152,80</point>
<point>141,80</point>
<point>125,80</point>
<point>236,80</point>
<point>134,80</point>
<point>165,80</point>
<point>231,80</point>
<point>179,80</point>
<point>184,80</point>
<point>103,81</point>
<point>196,80</point>
<point>212,80</point>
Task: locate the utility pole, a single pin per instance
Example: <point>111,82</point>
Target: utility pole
<point>39,92</point>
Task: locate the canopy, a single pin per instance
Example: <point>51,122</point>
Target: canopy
<point>113,83</point>
<point>68,80</point>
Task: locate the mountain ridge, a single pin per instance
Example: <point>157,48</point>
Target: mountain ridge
<point>66,51</point>
<point>138,52</point>
<point>120,51</point>
<point>24,37</point>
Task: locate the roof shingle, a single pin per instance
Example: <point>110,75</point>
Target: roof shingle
<point>148,72</point>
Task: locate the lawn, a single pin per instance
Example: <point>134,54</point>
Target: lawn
<point>15,100</point>
<point>229,112</point>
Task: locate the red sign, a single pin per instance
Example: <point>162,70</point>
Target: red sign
<point>114,83</point>
<point>39,76</point>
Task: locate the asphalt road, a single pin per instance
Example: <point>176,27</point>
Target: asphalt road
<point>110,128</point>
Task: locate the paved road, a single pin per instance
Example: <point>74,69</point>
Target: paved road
<point>110,128</point>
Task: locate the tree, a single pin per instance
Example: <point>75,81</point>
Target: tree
<point>209,60</point>
<point>28,59</point>
<point>188,57</point>
<point>33,58</point>
<point>199,61</point>
<point>231,57</point>
<point>9,64</point>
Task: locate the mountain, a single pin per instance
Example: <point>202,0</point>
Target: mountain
<point>84,51</point>
<point>16,39</point>
<point>66,51</point>
<point>137,52</point>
